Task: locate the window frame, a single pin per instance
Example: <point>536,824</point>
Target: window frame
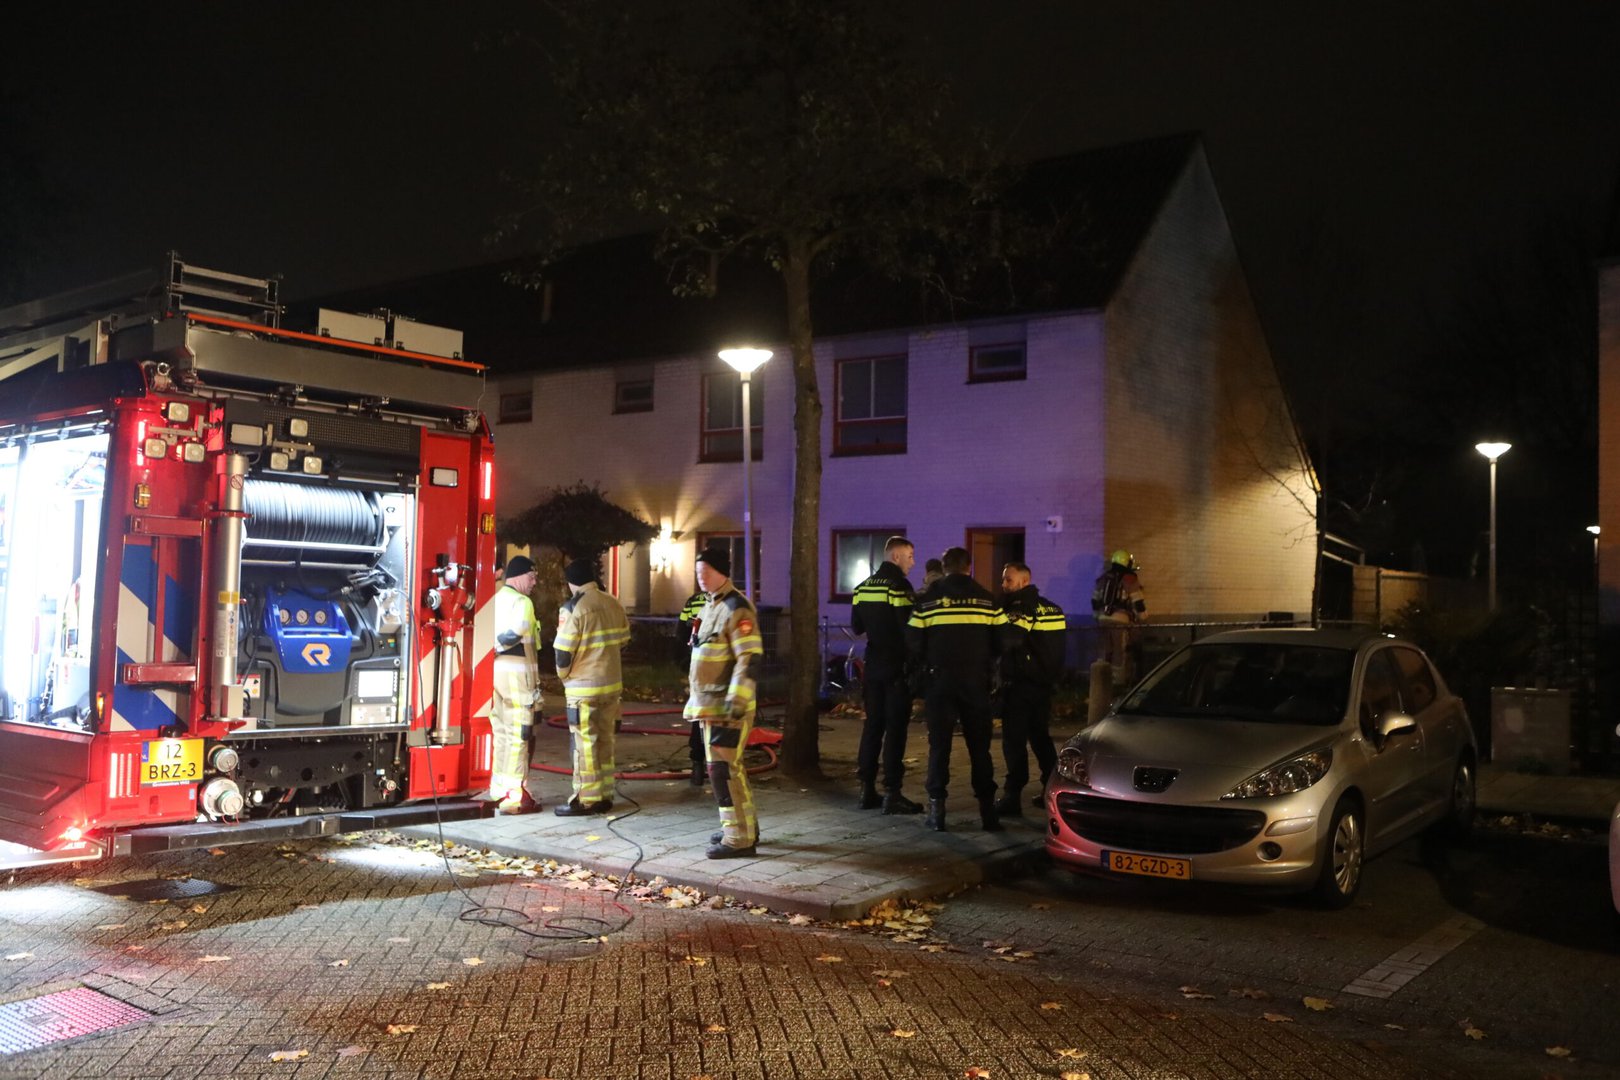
<point>881,534</point>
<point>503,417</point>
<point>976,376</point>
<point>756,416</point>
<point>840,424</point>
<point>620,407</point>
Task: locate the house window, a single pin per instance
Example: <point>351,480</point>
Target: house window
<point>516,407</point>
<point>856,554</point>
<point>722,417</point>
<point>633,395</point>
<point>871,406</point>
<point>996,363</point>
<point>733,545</point>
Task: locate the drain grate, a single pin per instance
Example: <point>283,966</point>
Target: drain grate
<point>163,889</point>
<point>66,1014</point>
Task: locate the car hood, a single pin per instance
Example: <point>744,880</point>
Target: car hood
<point>1209,756</point>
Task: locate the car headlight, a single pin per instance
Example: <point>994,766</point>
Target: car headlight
<point>1283,778</point>
<point>1071,765</point>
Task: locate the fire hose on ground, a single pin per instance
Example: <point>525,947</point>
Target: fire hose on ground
<point>762,738</point>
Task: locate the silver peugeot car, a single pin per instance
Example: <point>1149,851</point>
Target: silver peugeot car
<point>1267,757</point>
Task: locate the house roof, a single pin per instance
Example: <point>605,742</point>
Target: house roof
<point>611,301</point>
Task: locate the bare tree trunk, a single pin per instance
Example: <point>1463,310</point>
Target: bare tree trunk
<point>801,748</point>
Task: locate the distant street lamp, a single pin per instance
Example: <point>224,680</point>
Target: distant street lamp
<point>745,361</point>
<point>1596,531</point>
<point>1492,451</point>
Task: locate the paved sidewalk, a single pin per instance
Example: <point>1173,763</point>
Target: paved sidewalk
<point>818,855</point>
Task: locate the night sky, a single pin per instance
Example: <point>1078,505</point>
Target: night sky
<point>1375,159</point>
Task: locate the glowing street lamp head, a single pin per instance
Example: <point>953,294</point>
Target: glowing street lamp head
<point>745,360</point>
<point>1493,450</point>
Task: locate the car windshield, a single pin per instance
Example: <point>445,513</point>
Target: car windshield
<point>1285,683</point>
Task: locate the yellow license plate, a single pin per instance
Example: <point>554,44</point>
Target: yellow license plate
<point>1148,865</point>
<point>171,761</point>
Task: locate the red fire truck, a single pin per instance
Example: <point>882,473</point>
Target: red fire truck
<point>240,570</point>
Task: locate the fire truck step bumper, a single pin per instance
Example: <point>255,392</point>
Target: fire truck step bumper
<point>157,838</point>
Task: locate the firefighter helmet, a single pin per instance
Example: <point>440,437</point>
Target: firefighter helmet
<point>1121,557</point>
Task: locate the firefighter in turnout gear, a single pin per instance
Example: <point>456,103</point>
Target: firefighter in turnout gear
<point>880,608</point>
<point>726,652</point>
<point>517,689</point>
<point>1029,667</point>
<point>956,632</point>
<point>1118,602</point>
<point>591,631</point>
<point>687,621</point>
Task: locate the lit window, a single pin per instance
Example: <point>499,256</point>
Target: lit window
<point>633,395</point>
<point>871,406</point>
<point>722,417</point>
<point>855,555</point>
<point>516,408</point>
<point>995,363</point>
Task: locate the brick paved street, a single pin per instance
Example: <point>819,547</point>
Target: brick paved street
<point>353,959</point>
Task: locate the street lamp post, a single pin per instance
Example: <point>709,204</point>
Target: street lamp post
<point>1492,451</point>
<point>745,361</point>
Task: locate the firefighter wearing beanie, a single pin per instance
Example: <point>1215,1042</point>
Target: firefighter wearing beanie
<point>726,653</point>
<point>591,630</point>
<point>517,689</point>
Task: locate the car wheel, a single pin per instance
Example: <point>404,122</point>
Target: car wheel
<point>1458,823</point>
<point>1339,878</point>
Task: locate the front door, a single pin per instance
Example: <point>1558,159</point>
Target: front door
<point>991,548</point>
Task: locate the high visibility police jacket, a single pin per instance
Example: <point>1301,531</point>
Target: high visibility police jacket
<point>880,608</point>
<point>725,656</point>
<point>956,631</point>
<point>515,631</point>
<point>591,629</point>
<point>1035,652</point>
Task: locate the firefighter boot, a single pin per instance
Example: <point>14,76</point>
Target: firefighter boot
<point>524,805</point>
<point>896,803</point>
<point>700,773</point>
<point>870,800</point>
<point>1011,803</point>
<point>987,816</point>
<point>935,818</point>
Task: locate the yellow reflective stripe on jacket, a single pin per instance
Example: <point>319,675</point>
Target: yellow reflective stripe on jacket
<point>958,616</point>
<point>604,690</point>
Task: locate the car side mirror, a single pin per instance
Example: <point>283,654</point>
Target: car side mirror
<point>1394,723</point>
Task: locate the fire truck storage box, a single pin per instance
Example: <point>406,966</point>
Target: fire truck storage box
<point>366,329</point>
<point>1530,728</point>
<point>418,337</point>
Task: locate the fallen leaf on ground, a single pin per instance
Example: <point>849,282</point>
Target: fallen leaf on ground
<point>1250,993</point>
<point>289,1055</point>
<point>112,926</point>
<point>351,1051</point>
<point>759,911</point>
<point>800,920</point>
<point>977,1072</point>
<point>592,839</point>
<point>1070,1074</point>
<point>1051,1006</point>
<point>471,961</point>
<point>178,924</point>
<point>715,1029</point>
<point>438,986</point>
<point>1316,1004</point>
<point>339,963</point>
<point>1394,1027</point>
<point>1471,1031</point>
<point>828,958</point>
<point>401,1029</point>
<point>550,908</point>
<point>902,1033</point>
<point>19,955</point>
<point>1277,1018</point>
<point>1192,993</point>
<point>695,961</point>
<point>212,959</point>
<point>1072,1054</point>
<point>199,909</point>
<point>216,851</point>
<point>885,982</point>
<point>1558,1051</point>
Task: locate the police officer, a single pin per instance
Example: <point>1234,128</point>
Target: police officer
<point>725,658</point>
<point>591,630</point>
<point>880,608</point>
<point>1029,667</point>
<point>956,632</point>
<point>687,621</point>
<point>517,689</point>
